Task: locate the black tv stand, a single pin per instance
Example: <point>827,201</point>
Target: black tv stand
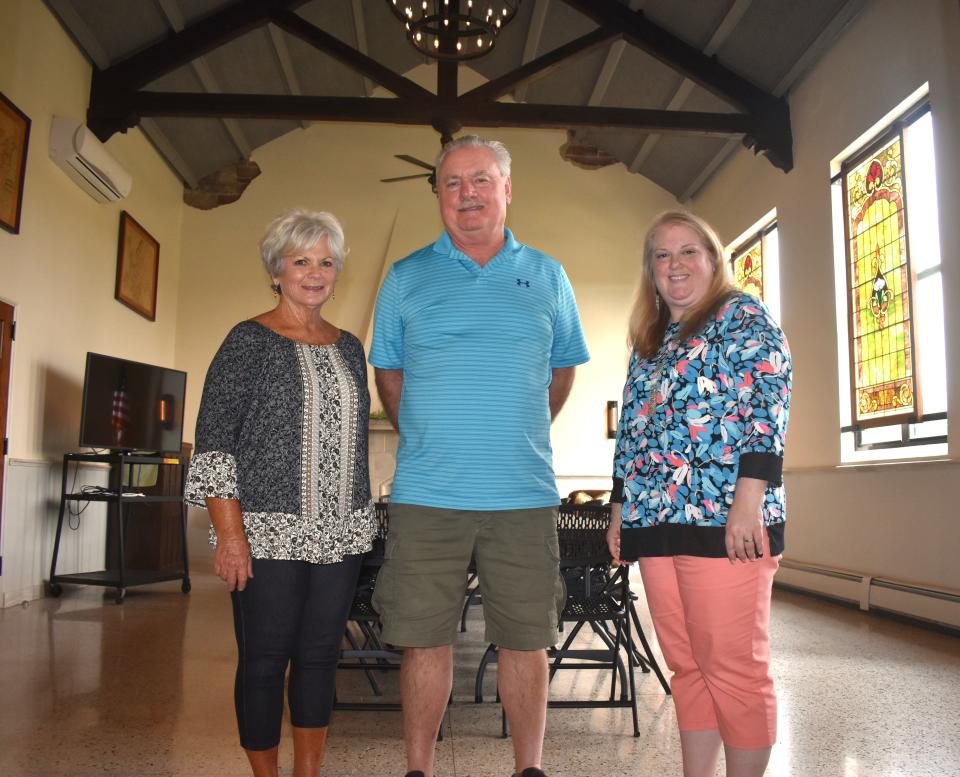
<point>120,500</point>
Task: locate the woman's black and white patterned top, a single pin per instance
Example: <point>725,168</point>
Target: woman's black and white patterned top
<point>283,429</point>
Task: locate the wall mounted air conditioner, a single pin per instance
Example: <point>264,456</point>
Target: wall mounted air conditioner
<point>84,158</point>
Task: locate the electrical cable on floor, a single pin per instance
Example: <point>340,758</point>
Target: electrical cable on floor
<point>71,514</point>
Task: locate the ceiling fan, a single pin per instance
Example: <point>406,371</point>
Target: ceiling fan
<point>431,176</point>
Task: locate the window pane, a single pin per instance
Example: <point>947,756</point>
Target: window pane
<point>876,434</point>
<point>771,271</point>
<point>879,290</point>
<point>928,429</point>
<point>748,269</point>
<point>924,222</point>
<point>931,350</point>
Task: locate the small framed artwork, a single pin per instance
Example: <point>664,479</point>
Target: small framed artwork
<point>14,134</point>
<point>138,265</point>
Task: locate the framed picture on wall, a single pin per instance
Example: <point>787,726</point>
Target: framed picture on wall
<point>14,134</point>
<point>138,265</point>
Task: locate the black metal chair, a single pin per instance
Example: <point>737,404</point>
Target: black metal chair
<point>599,597</point>
<point>366,651</point>
<point>472,593</point>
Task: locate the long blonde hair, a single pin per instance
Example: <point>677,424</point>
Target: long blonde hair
<point>650,315</point>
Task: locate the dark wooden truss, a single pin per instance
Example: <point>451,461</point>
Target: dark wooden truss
<point>118,100</point>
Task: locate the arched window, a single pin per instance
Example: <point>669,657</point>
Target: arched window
<point>755,262</point>
<point>878,281</point>
<point>891,317</point>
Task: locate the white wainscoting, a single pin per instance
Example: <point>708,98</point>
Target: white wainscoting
<point>31,503</point>
<point>873,593</point>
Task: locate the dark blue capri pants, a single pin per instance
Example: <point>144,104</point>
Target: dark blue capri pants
<point>291,612</point>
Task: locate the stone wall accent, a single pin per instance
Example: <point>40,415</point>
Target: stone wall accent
<point>222,186</point>
<point>585,155</point>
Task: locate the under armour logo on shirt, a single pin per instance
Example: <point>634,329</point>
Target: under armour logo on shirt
<point>521,282</point>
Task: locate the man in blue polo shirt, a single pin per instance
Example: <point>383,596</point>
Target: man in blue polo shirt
<point>476,339</point>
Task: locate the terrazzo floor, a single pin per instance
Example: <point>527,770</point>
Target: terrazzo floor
<point>88,687</point>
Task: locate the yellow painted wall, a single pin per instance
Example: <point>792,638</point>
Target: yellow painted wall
<point>896,521</point>
<point>59,272</point>
<point>590,220</point>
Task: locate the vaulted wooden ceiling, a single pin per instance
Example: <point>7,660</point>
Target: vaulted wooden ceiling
<point>667,87</point>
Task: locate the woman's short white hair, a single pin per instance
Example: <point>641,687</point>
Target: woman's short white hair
<point>475,141</point>
<point>301,230</point>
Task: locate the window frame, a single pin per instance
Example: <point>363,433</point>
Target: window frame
<point>903,421</point>
<point>758,235</point>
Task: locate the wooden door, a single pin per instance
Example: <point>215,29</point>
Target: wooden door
<point>6,346</point>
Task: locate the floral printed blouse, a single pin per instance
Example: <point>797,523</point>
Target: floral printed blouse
<point>283,429</point>
<point>698,415</point>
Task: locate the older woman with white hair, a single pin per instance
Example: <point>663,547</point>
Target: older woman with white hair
<point>280,463</point>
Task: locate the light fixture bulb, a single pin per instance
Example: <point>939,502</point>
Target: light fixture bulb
<point>430,23</point>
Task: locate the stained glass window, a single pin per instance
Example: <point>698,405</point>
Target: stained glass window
<point>890,326</point>
<point>747,264</point>
<point>878,277</point>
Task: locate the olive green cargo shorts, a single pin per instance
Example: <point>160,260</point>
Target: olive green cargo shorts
<point>420,589</point>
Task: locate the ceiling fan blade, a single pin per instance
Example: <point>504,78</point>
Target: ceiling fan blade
<point>414,161</point>
<point>405,177</point>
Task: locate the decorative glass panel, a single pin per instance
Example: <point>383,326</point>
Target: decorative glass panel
<point>879,278</point>
<point>748,269</point>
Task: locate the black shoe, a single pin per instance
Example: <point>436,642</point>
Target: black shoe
<point>531,771</point>
<point>414,774</point>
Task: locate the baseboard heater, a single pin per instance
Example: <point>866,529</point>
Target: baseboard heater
<point>865,583</point>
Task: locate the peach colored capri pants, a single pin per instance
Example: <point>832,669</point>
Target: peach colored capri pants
<point>712,619</point>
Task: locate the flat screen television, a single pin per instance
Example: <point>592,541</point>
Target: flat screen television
<point>131,406</point>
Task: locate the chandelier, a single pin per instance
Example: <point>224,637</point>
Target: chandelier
<point>454,30</point>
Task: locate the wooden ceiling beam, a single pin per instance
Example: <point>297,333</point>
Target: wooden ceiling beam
<point>675,53</point>
<point>281,51</point>
<point>349,56</point>
<point>772,135</point>
<point>610,64</point>
<point>727,25</point>
<point>530,46</point>
<point>399,111</point>
<point>111,88</point>
<point>542,66</point>
<point>566,116</point>
<point>183,47</point>
<point>360,30</point>
<point>446,122</point>
<point>270,106</point>
<point>116,102</point>
<point>202,70</point>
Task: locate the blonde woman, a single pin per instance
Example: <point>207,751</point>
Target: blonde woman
<point>698,496</point>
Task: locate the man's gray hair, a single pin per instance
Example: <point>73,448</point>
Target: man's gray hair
<point>475,141</point>
<point>301,230</point>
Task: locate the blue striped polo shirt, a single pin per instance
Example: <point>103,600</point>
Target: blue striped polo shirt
<point>476,346</point>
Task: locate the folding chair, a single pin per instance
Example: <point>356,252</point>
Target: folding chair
<point>601,598</point>
<point>472,593</point>
<point>366,651</point>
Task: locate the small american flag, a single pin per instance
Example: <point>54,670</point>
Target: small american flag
<point>120,413</point>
